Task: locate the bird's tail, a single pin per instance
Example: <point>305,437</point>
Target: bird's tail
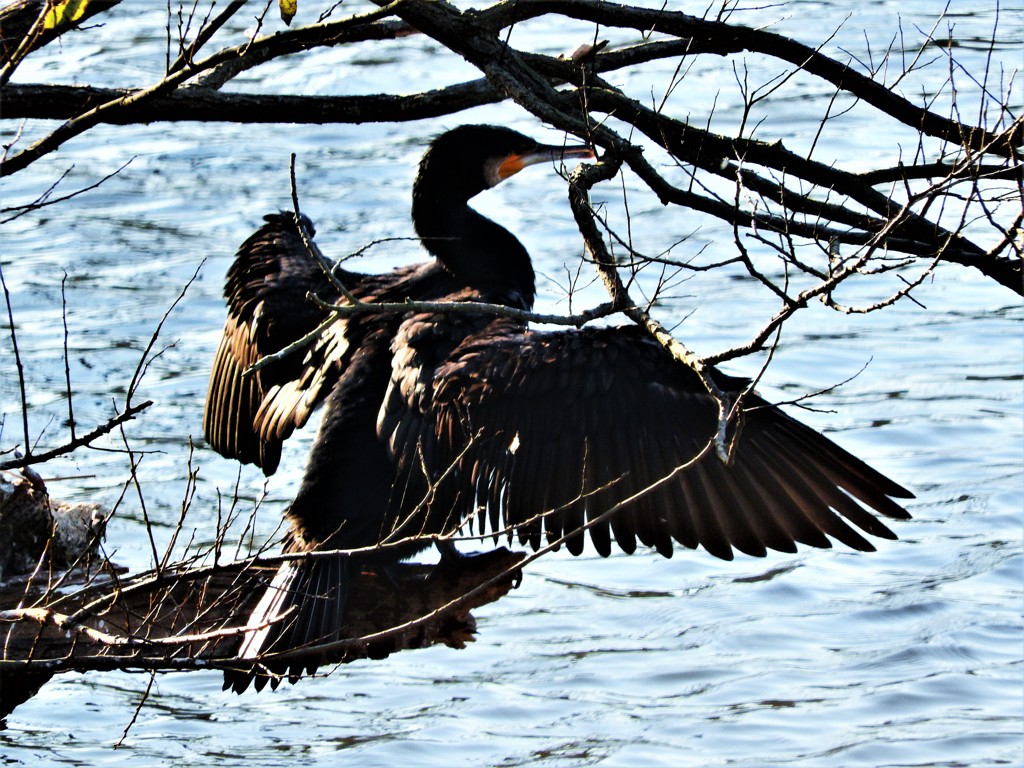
<point>302,608</point>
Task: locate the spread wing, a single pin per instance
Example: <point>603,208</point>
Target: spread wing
<point>541,435</point>
<point>249,417</point>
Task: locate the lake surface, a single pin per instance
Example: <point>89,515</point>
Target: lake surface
<point>909,656</point>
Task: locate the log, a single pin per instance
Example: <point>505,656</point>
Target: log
<point>185,617</point>
<point>40,534</point>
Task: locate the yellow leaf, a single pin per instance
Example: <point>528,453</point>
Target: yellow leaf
<point>64,13</point>
<point>288,9</point>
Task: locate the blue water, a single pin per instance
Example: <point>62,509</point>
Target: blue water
<point>909,656</point>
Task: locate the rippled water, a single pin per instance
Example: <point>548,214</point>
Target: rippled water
<point>910,656</point>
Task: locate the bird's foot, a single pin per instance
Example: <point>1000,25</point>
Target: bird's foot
<point>454,563</point>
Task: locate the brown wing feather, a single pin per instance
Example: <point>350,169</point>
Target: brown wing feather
<point>266,290</point>
<point>549,430</point>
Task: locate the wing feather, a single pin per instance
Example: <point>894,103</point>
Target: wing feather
<point>544,431</point>
<point>248,417</point>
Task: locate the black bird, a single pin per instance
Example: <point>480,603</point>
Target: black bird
<point>436,420</point>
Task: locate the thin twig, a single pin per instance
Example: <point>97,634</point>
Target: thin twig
<point>78,442</point>
<point>18,364</point>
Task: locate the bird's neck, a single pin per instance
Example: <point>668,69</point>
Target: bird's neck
<point>476,250</point>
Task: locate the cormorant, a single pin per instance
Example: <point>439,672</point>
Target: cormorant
<point>435,418</point>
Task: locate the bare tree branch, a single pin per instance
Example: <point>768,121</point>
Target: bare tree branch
<point>78,442</point>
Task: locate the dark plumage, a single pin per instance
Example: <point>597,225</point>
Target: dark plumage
<point>435,418</point>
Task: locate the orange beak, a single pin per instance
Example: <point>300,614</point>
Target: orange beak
<point>513,164</point>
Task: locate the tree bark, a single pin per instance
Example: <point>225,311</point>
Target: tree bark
<point>184,618</point>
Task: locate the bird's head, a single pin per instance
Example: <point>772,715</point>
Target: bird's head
<point>471,158</point>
